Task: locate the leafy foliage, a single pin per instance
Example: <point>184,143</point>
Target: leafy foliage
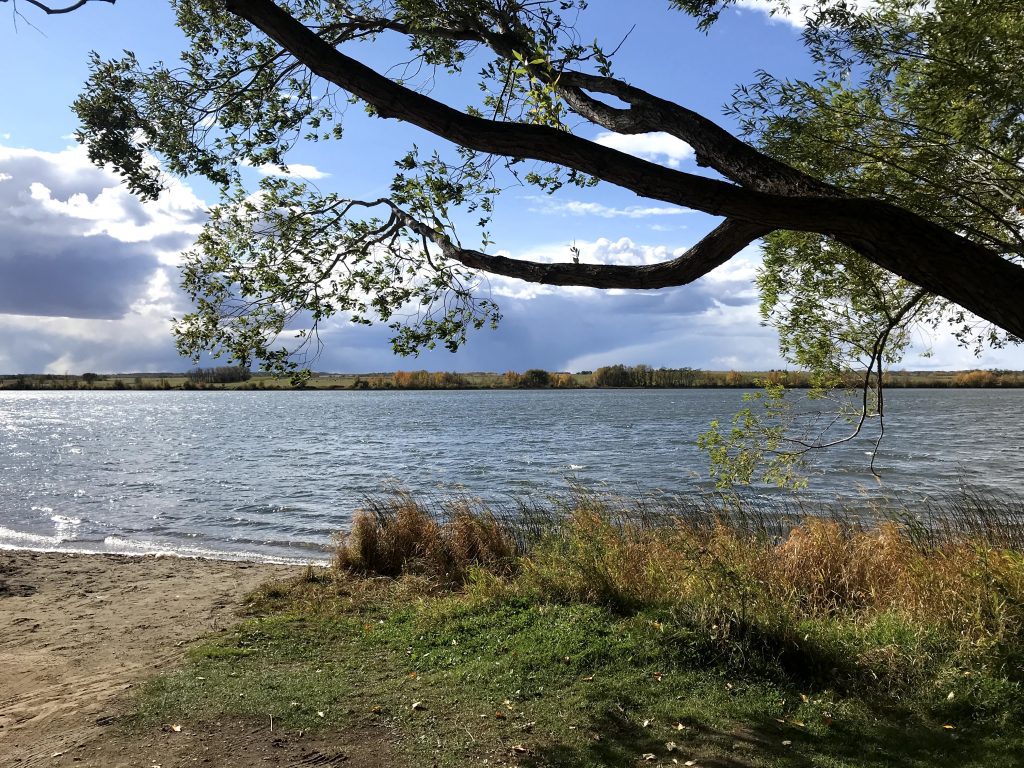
<point>913,104</point>
<point>273,264</point>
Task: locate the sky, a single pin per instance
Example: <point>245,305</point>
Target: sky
<point>89,277</point>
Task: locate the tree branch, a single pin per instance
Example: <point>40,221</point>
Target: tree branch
<point>714,146</point>
<point>900,241</point>
<point>67,9</point>
<point>716,248</point>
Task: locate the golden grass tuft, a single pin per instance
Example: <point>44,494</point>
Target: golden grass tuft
<point>403,537</point>
<point>830,567</point>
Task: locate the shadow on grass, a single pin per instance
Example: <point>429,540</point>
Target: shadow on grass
<point>875,744</point>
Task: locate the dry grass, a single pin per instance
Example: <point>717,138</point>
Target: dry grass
<point>399,536</point>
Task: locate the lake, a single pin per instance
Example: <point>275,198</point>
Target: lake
<point>270,475</point>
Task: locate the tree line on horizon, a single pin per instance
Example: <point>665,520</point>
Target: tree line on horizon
<point>606,377</point>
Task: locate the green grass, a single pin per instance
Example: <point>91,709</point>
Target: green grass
<point>572,684</point>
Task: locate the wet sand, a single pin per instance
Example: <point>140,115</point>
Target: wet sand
<point>77,631</point>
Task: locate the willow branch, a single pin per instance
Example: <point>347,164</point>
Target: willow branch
<point>715,249</point>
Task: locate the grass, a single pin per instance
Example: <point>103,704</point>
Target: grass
<point>604,634</point>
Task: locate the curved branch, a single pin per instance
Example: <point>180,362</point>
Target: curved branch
<point>714,146</point>
<point>67,9</point>
<point>873,369</point>
<point>716,248</point>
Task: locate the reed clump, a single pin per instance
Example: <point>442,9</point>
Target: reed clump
<point>399,535</point>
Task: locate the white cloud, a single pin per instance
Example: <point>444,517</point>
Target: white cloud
<point>294,171</point>
<point>580,208</point>
<point>87,280</point>
<point>940,351</point>
<point>657,147</point>
<point>795,11</point>
<point>790,10</point>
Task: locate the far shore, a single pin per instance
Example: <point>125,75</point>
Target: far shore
<point>609,377</point>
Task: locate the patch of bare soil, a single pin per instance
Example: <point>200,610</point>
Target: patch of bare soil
<point>78,631</point>
<point>236,744</point>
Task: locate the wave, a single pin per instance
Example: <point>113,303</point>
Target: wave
<point>123,546</point>
<point>29,538</point>
<point>117,545</point>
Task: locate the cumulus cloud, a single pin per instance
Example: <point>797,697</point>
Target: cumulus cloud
<point>657,147</point>
<point>87,277</point>
<point>88,283</point>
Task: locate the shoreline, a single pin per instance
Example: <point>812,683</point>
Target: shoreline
<point>78,631</point>
<point>218,556</point>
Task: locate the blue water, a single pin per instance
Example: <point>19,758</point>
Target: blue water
<point>270,475</point>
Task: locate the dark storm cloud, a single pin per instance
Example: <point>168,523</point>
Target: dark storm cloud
<point>65,276</point>
<point>84,281</point>
<point>73,243</point>
<point>173,241</point>
<point>41,348</point>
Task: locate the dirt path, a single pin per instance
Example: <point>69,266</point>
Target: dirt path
<point>76,631</point>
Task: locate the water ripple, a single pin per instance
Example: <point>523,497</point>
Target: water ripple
<point>273,474</point>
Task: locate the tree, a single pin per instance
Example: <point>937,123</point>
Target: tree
<point>911,105</point>
<point>887,191</point>
<point>535,378</point>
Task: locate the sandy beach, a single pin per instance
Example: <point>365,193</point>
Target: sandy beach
<point>78,631</point>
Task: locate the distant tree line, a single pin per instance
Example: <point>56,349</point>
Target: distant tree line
<point>414,380</point>
<point>610,376</point>
<point>222,374</point>
<point>644,376</point>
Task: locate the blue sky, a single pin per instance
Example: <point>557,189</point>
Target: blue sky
<point>88,277</point>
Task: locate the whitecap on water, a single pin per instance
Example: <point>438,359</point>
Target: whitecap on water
<point>15,538</point>
<point>66,527</point>
<point>123,546</point>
